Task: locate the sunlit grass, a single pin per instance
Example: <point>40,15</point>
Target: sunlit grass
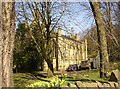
<point>23,79</point>
<point>88,76</point>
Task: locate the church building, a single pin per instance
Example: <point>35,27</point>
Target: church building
<point>67,50</point>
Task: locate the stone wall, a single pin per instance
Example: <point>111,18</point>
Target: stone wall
<point>70,50</point>
<point>67,50</point>
<point>92,85</point>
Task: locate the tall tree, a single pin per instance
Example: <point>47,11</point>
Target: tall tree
<point>25,52</point>
<point>104,60</point>
<point>8,30</point>
<point>44,20</point>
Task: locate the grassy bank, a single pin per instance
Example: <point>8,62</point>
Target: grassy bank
<point>23,79</point>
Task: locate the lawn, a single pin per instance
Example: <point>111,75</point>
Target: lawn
<point>23,79</point>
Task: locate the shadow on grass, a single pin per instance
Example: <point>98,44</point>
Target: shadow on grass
<point>34,76</point>
<point>84,80</point>
<point>21,80</point>
<point>39,76</point>
<point>72,79</point>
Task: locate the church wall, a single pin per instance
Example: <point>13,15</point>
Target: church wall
<point>70,52</point>
<point>67,51</point>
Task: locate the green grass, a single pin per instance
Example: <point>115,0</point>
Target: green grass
<point>88,76</point>
<point>23,79</point>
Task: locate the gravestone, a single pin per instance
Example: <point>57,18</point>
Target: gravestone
<point>115,76</point>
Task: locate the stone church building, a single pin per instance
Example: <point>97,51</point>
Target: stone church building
<point>67,50</point>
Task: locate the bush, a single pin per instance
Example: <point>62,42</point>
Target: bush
<point>54,83</point>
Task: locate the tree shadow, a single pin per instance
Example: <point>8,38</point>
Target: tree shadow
<point>35,75</point>
<point>40,76</point>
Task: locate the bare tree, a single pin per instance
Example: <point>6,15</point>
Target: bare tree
<point>104,60</point>
<point>44,20</point>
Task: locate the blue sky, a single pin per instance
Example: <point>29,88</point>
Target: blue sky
<point>79,20</point>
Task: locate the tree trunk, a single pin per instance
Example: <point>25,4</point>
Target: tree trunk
<point>110,28</point>
<point>56,53</point>
<point>50,71</point>
<point>104,61</point>
<point>8,30</point>
<point>49,49</point>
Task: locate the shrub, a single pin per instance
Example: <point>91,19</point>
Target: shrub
<point>54,83</point>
